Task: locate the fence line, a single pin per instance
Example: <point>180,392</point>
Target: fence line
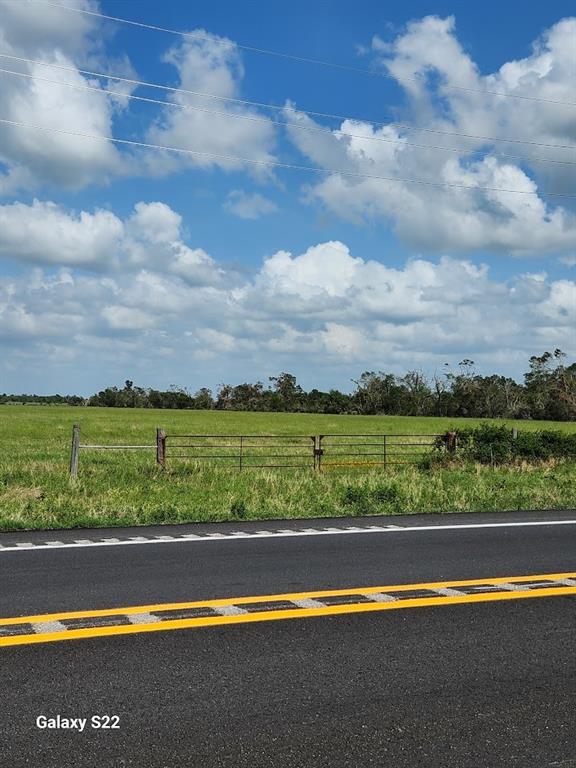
<point>317,452</point>
<point>77,446</point>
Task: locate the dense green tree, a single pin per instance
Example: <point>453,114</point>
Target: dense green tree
<point>377,393</point>
<point>290,393</point>
<point>203,399</point>
<point>551,387</point>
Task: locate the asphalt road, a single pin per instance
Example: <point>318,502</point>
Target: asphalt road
<point>474,685</point>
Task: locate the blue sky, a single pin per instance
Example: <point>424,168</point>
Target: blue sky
<point>124,262</point>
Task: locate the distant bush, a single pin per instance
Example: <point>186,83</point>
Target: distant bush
<point>41,399</point>
<point>495,444</point>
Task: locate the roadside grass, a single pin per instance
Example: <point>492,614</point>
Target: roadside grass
<point>125,488</point>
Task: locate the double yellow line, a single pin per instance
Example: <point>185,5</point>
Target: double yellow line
<point>45,628</point>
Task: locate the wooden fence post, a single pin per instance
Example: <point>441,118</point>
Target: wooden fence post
<point>161,447</point>
<point>450,442</point>
<point>75,451</point>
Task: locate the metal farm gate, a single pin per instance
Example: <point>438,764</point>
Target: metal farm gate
<point>244,451</point>
<point>317,452</point>
<point>360,451</point>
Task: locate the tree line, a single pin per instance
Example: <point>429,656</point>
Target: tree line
<point>548,391</point>
<point>42,399</point>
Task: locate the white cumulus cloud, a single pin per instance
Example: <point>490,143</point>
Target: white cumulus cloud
<point>319,309</point>
<point>32,157</point>
<point>152,237</point>
<point>210,64</point>
<point>473,210</point>
<point>45,233</point>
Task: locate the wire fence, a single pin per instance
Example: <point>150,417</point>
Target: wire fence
<point>244,452</point>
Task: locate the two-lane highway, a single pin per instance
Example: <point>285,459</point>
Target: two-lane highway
<point>284,644</point>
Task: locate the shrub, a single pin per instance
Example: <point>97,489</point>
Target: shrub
<point>386,494</point>
<point>557,444</point>
<point>357,499</point>
<point>238,509</point>
<point>495,444</point>
<point>370,501</point>
<point>529,446</point>
<point>486,444</point>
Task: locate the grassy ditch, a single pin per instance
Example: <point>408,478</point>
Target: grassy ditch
<point>116,489</point>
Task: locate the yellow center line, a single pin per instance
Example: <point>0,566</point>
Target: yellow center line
<point>76,634</point>
<point>220,602</point>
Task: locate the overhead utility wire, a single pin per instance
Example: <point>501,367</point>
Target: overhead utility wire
<point>291,56</point>
<point>269,121</point>
<point>278,164</point>
<point>263,105</point>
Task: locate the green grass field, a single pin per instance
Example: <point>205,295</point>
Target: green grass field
<point>126,488</point>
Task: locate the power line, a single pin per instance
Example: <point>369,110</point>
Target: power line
<point>269,121</point>
<point>278,164</point>
<point>293,57</point>
<point>263,105</point>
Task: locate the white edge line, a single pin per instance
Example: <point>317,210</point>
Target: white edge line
<point>273,535</point>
